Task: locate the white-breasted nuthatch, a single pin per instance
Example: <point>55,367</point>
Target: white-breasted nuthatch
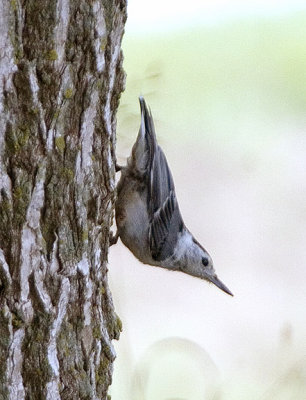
<point>148,218</point>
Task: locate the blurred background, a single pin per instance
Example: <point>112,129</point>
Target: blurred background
<point>226,83</point>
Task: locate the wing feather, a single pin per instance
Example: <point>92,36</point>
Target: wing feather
<point>165,218</point>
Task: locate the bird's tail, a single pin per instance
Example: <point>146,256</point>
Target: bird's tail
<point>146,144</point>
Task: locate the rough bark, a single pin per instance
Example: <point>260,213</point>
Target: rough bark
<point>60,81</point>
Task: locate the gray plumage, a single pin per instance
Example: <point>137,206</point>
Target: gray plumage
<point>148,218</point>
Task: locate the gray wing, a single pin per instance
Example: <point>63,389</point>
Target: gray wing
<point>166,220</point>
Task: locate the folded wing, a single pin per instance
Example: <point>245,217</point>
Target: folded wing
<point>165,218</point>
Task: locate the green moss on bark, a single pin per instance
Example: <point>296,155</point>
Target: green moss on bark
<point>36,369</point>
<point>49,95</point>
<point>4,351</point>
<point>75,377</point>
<point>60,144</point>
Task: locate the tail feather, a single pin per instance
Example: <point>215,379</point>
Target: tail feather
<point>145,146</point>
<point>160,182</point>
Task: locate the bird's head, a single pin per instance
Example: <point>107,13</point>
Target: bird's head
<point>200,264</point>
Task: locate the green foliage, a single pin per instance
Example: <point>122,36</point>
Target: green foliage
<point>250,72</point>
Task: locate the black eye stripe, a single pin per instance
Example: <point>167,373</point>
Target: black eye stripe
<point>205,261</point>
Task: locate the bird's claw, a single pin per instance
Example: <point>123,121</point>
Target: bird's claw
<point>113,239</point>
<point>118,167</point>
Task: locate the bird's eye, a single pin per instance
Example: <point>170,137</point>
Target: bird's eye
<point>205,261</point>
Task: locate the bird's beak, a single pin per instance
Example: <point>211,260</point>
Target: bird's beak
<point>216,281</point>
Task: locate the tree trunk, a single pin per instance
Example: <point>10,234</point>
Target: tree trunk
<point>60,81</point>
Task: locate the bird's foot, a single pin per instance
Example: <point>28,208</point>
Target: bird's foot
<point>118,167</point>
<point>113,239</point>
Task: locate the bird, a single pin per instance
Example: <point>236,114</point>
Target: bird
<point>148,218</point>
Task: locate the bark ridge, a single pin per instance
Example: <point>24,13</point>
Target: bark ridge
<point>60,81</point>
